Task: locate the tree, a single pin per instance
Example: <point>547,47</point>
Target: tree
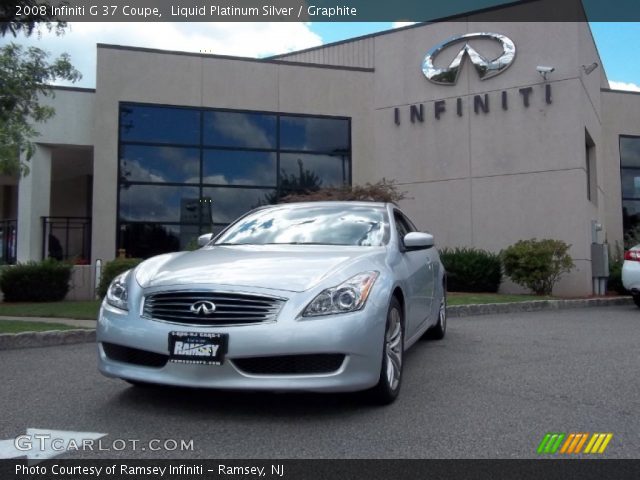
<point>25,76</point>
<point>39,14</point>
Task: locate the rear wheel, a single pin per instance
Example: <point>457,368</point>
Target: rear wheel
<point>388,387</point>
<point>636,300</point>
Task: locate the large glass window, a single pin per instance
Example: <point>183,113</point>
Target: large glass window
<point>187,171</point>
<point>178,126</point>
<point>630,180</point>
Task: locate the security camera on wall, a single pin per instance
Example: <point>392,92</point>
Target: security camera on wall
<point>544,70</point>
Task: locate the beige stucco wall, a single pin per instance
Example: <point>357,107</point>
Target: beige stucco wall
<point>73,121</point>
<point>490,179</point>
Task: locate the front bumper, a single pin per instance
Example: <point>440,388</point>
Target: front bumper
<point>358,336</point>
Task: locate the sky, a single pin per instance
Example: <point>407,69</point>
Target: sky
<point>618,43</point>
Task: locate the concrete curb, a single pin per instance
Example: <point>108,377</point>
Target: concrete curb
<point>9,341</point>
<point>533,306</point>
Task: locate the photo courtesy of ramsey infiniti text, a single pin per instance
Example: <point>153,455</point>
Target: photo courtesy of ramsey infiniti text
<point>322,296</point>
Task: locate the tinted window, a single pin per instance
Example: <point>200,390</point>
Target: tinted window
<point>158,203</point>
<point>334,225</point>
<point>630,214</point>
<point>300,171</point>
<point>239,129</point>
<point>143,240</point>
<point>159,164</point>
<point>630,181</point>
<point>318,134</point>
<point>630,152</point>
<point>232,167</point>
<point>168,125</point>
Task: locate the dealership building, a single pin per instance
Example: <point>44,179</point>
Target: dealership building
<point>497,132</point>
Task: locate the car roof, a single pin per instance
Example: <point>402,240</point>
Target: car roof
<point>345,203</point>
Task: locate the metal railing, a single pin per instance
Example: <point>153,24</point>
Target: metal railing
<point>67,238</point>
<point>8,241</point>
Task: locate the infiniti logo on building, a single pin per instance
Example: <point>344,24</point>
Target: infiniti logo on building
<point>203,308</point>
<point>485,68</point>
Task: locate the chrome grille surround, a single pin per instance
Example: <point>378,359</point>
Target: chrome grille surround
<point>231,308</point>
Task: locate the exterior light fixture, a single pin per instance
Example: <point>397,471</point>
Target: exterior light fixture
<point>590,68</point>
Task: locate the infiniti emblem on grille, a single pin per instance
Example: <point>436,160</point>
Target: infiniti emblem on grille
<point>203,308</point>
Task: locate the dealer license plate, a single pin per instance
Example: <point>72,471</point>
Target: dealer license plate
<point>198,348</point>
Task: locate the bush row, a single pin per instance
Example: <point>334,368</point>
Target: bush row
<point>471,269</point>
<point>534,264</point>
<point>46,281</point>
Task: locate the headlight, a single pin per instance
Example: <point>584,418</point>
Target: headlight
<point>349,296</point>
<point>118,293</point>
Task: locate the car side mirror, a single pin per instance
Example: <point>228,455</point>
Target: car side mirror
<point>204,239</point>
<point>418,241</point>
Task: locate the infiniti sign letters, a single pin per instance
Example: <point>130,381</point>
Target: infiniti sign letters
<point>485,68</point>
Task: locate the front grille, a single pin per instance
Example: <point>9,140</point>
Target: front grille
<point>291,364</point>
<point>134,355</point>
<point>230,308</point>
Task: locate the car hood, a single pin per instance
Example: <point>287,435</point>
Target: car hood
<point>282,267</point>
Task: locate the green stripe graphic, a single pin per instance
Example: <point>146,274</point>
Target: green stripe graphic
<point>551,443</point>
<point>543,443</point>
<point>558,443</point>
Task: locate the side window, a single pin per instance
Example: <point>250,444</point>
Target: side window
<point>403,225</point>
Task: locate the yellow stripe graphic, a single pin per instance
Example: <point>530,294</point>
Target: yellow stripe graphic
<point>596,446</point>
<point>607,439</point>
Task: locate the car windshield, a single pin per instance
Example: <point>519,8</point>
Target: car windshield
<point>310,225</point>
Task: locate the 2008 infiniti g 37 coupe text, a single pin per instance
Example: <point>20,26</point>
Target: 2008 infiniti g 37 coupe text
<point>322,296</point>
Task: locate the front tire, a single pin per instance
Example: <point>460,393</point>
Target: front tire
<point>438,331</point>
<point>388,387</point>
<point>636,300</point>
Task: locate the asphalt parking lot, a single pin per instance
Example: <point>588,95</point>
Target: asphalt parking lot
<point>491,389</point>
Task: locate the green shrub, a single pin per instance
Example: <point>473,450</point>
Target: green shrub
<point>112,269</point>
<point>471,270</point>
<point>614,282</point>
<point>46,281</point>
<point>537,264</point>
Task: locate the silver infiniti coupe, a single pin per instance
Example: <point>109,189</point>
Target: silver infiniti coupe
<point>322,296</point>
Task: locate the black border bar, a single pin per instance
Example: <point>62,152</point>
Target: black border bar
<point>323,10</point>
<point>534,469</point>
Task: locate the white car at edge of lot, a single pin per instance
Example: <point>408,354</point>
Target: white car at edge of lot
<point>631,272</point>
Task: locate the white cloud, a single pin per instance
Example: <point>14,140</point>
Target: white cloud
<point>231,38</point>
<point>402,24</point>
<point>624,86</point>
